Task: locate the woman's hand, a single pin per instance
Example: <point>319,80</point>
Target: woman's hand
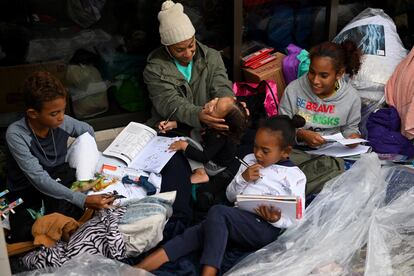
<point>217,123</point>
<point>311,138</point>
<point>252,173</point>
<point>97,202</point>
<point>165,126</point>
<point>178,145</point>
<point>269,213</point>
<point>353,136</point>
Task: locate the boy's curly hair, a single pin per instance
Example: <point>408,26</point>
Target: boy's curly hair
<point>237,121</point>
<point>42,87</point>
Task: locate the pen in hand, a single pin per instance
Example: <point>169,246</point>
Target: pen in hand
<point>169,118</point>
<point>244,163</point>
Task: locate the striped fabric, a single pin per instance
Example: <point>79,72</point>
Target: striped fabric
<point>98,236</point>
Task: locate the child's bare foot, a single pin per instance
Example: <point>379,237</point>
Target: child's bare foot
<point>199,176</point>
<point>209,271</point>
<point>154,260</point>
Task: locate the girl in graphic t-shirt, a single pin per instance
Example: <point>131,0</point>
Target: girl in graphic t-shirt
<point>323,96</point>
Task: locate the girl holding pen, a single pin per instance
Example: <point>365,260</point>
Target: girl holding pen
<point>273,143</point>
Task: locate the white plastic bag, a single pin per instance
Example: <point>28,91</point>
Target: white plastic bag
<point>376,35</point>
<point>44,49</point>
<point>87,91</point>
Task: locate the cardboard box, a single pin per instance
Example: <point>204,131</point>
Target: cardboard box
<point>12,78</point>
<point>269,71</point>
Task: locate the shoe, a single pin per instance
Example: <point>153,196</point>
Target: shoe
<point>213,169</point>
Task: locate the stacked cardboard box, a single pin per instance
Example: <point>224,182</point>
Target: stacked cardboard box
<point>269,71</point>
<point>12,78</point>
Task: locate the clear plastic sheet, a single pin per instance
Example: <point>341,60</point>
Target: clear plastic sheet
<point>331,237</point>
<point>391,234</point>
<point>86,265</point>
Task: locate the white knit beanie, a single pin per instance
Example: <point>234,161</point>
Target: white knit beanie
<point>175,26</point>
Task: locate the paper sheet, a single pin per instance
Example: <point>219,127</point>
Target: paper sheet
<point>338,137</point>
<point>338,150</point>
<point>155,155</point>
<point>129,191</point>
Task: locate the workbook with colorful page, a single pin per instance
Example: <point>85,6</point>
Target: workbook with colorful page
<point>290,206</point>
<point>140,148</point>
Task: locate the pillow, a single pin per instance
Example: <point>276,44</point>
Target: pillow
<point>143,223</point>
<point>83,155</point>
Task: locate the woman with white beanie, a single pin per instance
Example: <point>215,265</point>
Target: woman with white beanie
<point>184,74</point>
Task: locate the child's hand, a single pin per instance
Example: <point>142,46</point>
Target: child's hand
<point>252,173</point>
<point>97,202</point>
<point>311,138</point>
<point>353,136</point>
<point>178,145</point>
<point>269,213</point>
<point>164,127</point>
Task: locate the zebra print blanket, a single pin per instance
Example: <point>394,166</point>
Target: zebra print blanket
<point>99,235</point>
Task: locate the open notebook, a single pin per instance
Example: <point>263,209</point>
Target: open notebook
<point>290,206</point>
<point>140,148</point>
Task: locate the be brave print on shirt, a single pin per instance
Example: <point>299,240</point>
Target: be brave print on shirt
<point>317,114</point>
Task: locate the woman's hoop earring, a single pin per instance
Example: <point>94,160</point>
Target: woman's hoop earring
<point>336,85</point>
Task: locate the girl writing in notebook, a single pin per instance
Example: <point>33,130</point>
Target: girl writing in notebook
<point>269,172</point>
<point>218,147</point>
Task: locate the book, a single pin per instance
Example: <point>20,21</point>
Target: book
<point>290,206</point>
<point>140,148</point>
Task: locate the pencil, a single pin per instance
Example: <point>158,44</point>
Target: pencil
<point>170,117</point>
<point>242,161</point>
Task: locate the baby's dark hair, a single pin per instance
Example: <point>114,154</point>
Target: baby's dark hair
<point>42,87</point>
<point>285,126</point>
<point>344,55</point>
<point>237,121</point>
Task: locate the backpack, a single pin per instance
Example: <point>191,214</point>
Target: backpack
<point>318,169</point>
